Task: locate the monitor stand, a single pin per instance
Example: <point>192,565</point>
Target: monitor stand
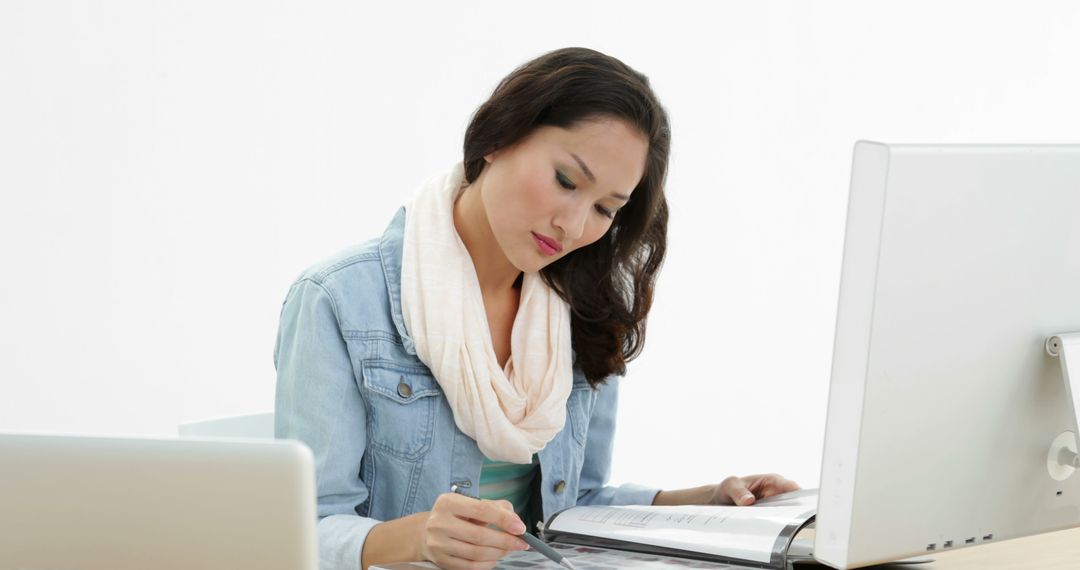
<point>1062,459</point>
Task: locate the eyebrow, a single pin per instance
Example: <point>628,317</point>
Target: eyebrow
<point>589,173</point>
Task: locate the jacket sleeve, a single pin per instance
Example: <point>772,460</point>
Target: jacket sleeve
<point>592,487</point>
<point>318,402</point>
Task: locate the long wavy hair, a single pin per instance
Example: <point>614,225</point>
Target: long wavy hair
<point>608,284</point>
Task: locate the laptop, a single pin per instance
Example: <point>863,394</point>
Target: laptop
<point>96,503</point>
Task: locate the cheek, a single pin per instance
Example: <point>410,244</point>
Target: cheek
<point>515,192</point>
<point>537,196</point>
<point>525,202</point>
<point>592,233</point>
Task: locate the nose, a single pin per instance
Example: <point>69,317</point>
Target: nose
<point>571,220</point>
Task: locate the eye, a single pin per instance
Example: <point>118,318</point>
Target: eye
<point>567,184</point>
<point>564,181</point>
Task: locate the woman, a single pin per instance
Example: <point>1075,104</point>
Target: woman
<point>480,340</point>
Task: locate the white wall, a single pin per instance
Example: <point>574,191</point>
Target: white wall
<point>167,169</point>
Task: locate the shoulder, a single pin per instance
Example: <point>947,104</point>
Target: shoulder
<point>353,282</point>
<point>352,278</point>
<point>348,263</point>
<point>361,265</point>
<point>360,281</point>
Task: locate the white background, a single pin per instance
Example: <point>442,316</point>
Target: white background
<point>168,168</point>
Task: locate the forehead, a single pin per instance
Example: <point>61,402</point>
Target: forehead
<point>613,150</point>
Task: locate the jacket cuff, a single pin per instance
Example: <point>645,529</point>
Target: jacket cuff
<point>625,494</point>
<point>341,541</point>
<point>634,494</point>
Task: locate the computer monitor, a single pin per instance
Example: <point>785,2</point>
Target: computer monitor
<point>126,503</point>
<point>951,422</point>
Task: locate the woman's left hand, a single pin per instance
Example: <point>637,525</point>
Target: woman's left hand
<point>746,490</point>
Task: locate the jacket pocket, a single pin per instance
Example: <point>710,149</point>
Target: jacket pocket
<point>401,407</point>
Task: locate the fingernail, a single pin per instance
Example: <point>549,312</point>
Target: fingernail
<point>747,497</point>
<point>517,528</point>
<point>522,545</point>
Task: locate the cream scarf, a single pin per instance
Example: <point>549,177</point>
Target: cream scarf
<point>511,412</point>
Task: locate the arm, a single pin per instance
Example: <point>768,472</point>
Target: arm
<point>704,495</point>
<point>596,469</point>
<point>731,491</point>
<point>317,402</point>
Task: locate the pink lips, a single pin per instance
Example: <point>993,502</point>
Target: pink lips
<point>547,245</point>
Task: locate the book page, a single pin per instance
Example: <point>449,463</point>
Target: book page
<point>753,533</point>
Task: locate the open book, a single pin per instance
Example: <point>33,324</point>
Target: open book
<point>760,535</point>
<point>774,533</point>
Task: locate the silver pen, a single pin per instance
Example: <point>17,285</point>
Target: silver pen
<point>537,544</point>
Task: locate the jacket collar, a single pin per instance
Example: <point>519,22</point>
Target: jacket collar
<point>390,255</point>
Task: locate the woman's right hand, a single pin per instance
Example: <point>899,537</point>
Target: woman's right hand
<point>456,536</point>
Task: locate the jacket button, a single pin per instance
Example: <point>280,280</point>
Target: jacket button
<point>403,389</point>
<point>560,486</point>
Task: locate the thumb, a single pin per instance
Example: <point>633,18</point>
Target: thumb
<point>740,495</point>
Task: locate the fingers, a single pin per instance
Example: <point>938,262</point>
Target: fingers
<point>458,531</point>
<point>789,486</point>
<point>490,512</point>
<point>471,553</point>
<point>485,537</point>
<point>769,484</point>
<point>747,490</point>
<point>736,490</point>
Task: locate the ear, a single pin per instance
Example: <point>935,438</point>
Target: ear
<point>489,157</point>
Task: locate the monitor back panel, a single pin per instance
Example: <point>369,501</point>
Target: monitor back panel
<point>959,262</point>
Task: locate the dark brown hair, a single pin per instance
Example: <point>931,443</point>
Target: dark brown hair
<point>609,283</point>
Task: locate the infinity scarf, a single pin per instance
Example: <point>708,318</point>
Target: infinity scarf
<point>511,412</point>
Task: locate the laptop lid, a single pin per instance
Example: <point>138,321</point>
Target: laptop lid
<point>96,503</point>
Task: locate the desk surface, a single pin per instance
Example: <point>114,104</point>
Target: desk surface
<point>1051,551</point>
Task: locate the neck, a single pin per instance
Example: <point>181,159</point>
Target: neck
<point>494,271</point>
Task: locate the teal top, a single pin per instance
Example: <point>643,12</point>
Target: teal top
<point>510,481</point>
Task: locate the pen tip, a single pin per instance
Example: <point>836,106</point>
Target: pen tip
<point>566,564</point>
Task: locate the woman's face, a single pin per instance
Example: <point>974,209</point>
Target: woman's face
<point>562,185</point>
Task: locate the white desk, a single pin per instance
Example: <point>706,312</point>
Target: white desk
<point>1052,551</point>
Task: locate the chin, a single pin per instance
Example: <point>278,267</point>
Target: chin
<point>532,261</point>
<point>532,265</point>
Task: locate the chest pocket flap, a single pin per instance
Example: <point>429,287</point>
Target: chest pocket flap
<point>403,384</point>
<point>401,407</point>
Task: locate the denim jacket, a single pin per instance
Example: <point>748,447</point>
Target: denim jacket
<point>350,386</point>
